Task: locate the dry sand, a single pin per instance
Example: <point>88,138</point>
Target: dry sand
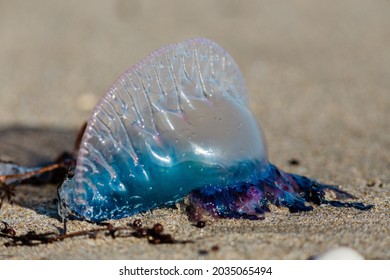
<point>318,79</point>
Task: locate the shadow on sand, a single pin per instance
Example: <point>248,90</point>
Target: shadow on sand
<point>29,146</point>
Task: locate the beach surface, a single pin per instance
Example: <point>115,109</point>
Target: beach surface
<point>318,80</point>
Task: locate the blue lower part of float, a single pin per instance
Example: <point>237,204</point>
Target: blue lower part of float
<point>229,193</point>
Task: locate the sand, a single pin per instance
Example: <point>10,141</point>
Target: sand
<point>318,82</point>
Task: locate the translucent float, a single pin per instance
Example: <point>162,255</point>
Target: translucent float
<point>176,124</point>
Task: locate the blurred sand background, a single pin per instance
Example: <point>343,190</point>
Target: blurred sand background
<point>318,75</point>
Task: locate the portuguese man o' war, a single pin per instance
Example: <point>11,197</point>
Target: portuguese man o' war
<point>177,124</point>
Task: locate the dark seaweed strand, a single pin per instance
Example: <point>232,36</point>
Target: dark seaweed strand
<point>154,235</point>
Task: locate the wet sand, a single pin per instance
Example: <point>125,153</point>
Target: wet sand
<point>317,76</point>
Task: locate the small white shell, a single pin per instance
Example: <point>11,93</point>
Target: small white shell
<point>340,253</point>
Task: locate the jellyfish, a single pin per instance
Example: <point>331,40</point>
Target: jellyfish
<point>175,125</point>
